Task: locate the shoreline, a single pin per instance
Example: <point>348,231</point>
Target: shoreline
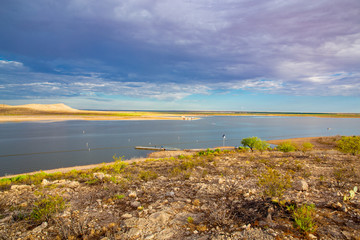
<point>53,118</point>
<point>299,141</point>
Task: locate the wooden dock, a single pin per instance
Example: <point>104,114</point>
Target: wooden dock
<point>157,148</point>
<point>150,148</point>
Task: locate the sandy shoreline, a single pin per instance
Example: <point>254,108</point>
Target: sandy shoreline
<point>52,118</point>
<point>299,141</point>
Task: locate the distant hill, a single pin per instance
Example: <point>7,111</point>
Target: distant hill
<point>36,109</point>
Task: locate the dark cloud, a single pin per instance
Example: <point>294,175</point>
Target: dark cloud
<point>154,48</point>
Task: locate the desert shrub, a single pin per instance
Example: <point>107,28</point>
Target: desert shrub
<point>343,174</point>
<point>209,152</point>
<point>304,217</point>
<point>188,164</point>
<point>306,146</point>
<point>254,143</point>
<point>5,184</point>
<point>349,144</point>
<point>274,183</point>
<point>175,172</point>
<point>119,196</point>
<point>46,207</point>
<point>147,175</point>
<point>286,146</point>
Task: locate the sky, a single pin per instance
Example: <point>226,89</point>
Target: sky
<point>230,55</point>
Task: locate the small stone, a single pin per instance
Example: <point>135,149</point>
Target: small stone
<point>99,175</point>
<point>126,215</point>
<point>40,228</point>
<point>73,184</point>
<point>196,202</point>
<point>170,194</point>
<point>135,204</point>
<point>132,194</point>
<point>221,180</point>
<point>311,236</point>
<point>20,187</point>
<point>301,185</point>
<point>195,232</point>
<point>133,232</point>
<point>45,182</point>
<point>24,204</point>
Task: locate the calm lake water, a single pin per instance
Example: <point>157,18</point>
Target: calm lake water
<point>31,146</point>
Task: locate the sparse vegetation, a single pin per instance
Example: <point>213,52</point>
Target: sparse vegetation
<point>274,183</point>
<point>304,217</point>
<point>147,175</point>
<point>286,147</point>
<point>349,144</point>
<point>47,206</point>
<point>306,146</point>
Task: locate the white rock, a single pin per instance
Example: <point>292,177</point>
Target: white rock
<point>73,184</point>
<point>135,204</point>
<point>126,215</point>
<point>99,175</point>
<point>301,185</point>
<point>45,182</point>
<point>20,187</point>
<point>40,228</point>
<point>170,194</point>
<point>159,217</point>
<point>132,194</point>
<point>311,236</point>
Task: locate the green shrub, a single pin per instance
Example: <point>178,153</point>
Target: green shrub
<point>349,144</point>
<point>209,152</point>
<point>147,175</point>
<point>189,164</point>
<point>46,207</point>
<point>306,146</point>
<point>304,217</point>
<point>274,183</point>
<point>286,146</point>
<point>117,196</point>
<point>254,143</point>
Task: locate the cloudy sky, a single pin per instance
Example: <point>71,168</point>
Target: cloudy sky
<point>263,55</point>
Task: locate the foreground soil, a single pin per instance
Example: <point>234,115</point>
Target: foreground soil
<point>207,195</point>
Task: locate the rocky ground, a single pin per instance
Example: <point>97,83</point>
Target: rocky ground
<point>211,195</point>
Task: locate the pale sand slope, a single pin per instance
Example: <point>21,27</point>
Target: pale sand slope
<point>59,107</point>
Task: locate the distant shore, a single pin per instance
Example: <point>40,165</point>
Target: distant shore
<point>57,118</point>
<point>61,112</point>
<point>314,140</point>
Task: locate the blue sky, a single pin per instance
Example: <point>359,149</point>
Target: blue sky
<point>241,55</point>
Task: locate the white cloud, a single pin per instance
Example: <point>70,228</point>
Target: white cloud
<point>10,65</point>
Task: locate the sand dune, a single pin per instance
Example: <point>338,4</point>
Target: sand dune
<point>59,107</point>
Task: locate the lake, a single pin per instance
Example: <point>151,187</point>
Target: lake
<point>32,146</point>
